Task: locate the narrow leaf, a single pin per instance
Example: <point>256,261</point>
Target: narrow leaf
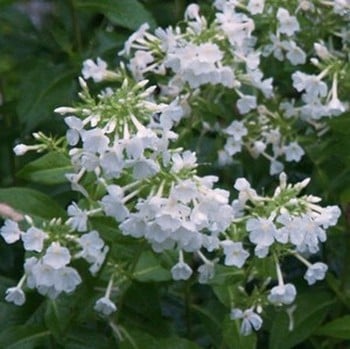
<point>31,202</point>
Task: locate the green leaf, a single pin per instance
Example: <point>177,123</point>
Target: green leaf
<point>43,89</point>
<point>31,202</point>
<point>176,343</point>
<point>49,169</point>
<point>148,268</point>
<point>125,13</point>
<point>23,337</point>
<point>338,328</point>
<point>134,339</point>
<point>58,316</point>
<point>232,337</point>
<point>87,338</point>
<point>311,309</point>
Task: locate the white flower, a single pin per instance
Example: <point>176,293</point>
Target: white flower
<point>181,271</point>
<point>66,279</point>
<point>295,54</point>
<point>105,306</point>
<point>293,152</point>
<point>92,246</point>
<point>245,104</point>
<point>96,71</point>
<point>276,167</point>
<point>56,256</point>
<point>315,272</point>
<point>206,272</point>
<point>232,146</point>
<point>250,320</point>
<point>261,231</point>
<point>288,24</point>
<point>10,231</point>
<point>282,294</point>
<point>245,190</point>
<point>95,141</point>
<point>78,217</point>
<point>234,252</point>
<point>256,6</point>
<point>328,217</point>
<point>184,191</point>
<point>237,130</point>
<point>33,239</point>
<point>144,168</point>
<point>15,295</point>
<point>21,149</point>
<point>75,126</point>
<point>187,160</point>
<point>112,203</point>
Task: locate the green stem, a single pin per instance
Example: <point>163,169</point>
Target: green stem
<point>188,316</point>
<point>75,24</point>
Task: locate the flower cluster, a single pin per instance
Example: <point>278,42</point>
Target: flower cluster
<point>226,54</point>
<point>50,251</point>
<point>127,168</point>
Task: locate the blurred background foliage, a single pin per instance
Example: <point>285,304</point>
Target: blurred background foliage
<point>42,47</point>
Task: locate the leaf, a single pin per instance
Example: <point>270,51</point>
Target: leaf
<point>31,202</point>
<point>176,343</point>
<point>148,268</point>
<point>43,89</point>
<point>125,13</point>
<point>87,338</point>
<point>232,337</point>
<point>338,328</point>
<point>58,316</point>
<point>134,339</point>
<point>49,169</point>
<point>311,309</point>
<point>23,337</point>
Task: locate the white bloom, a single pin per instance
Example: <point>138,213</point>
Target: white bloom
<point>232,146</point>
<point>95,141</point>
<point>181,271</point>
<point>66,279</point>
<point>287,24</point>
<point>144,168</point>
<point>78,217</point>
<point>295,54</point>
<point>282,294</point>
<point>250,320</point>
<point>256,6</point>
<point>10,231</point>
<point>113,203</point>
<point>328,217</point>
<point>276,167</point>
<point>96,71</point>
<point>187,160</point>
<point>293,152</point>
<point>316,271</point>
<point>15,295</point>
<point>75,127</point>
<point>33,239</point>
<point>206,272</point>
<point>184,191</point>
<point>261,231</point>
<point>56,256</point>
<point>237,130</point>
<point>245,190</point>
<point>234,252</point>
<point>92,245</point>
<point>21,149</point>
<point>246,103</point>
<point>312,85</point>
<point>105,306</point>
